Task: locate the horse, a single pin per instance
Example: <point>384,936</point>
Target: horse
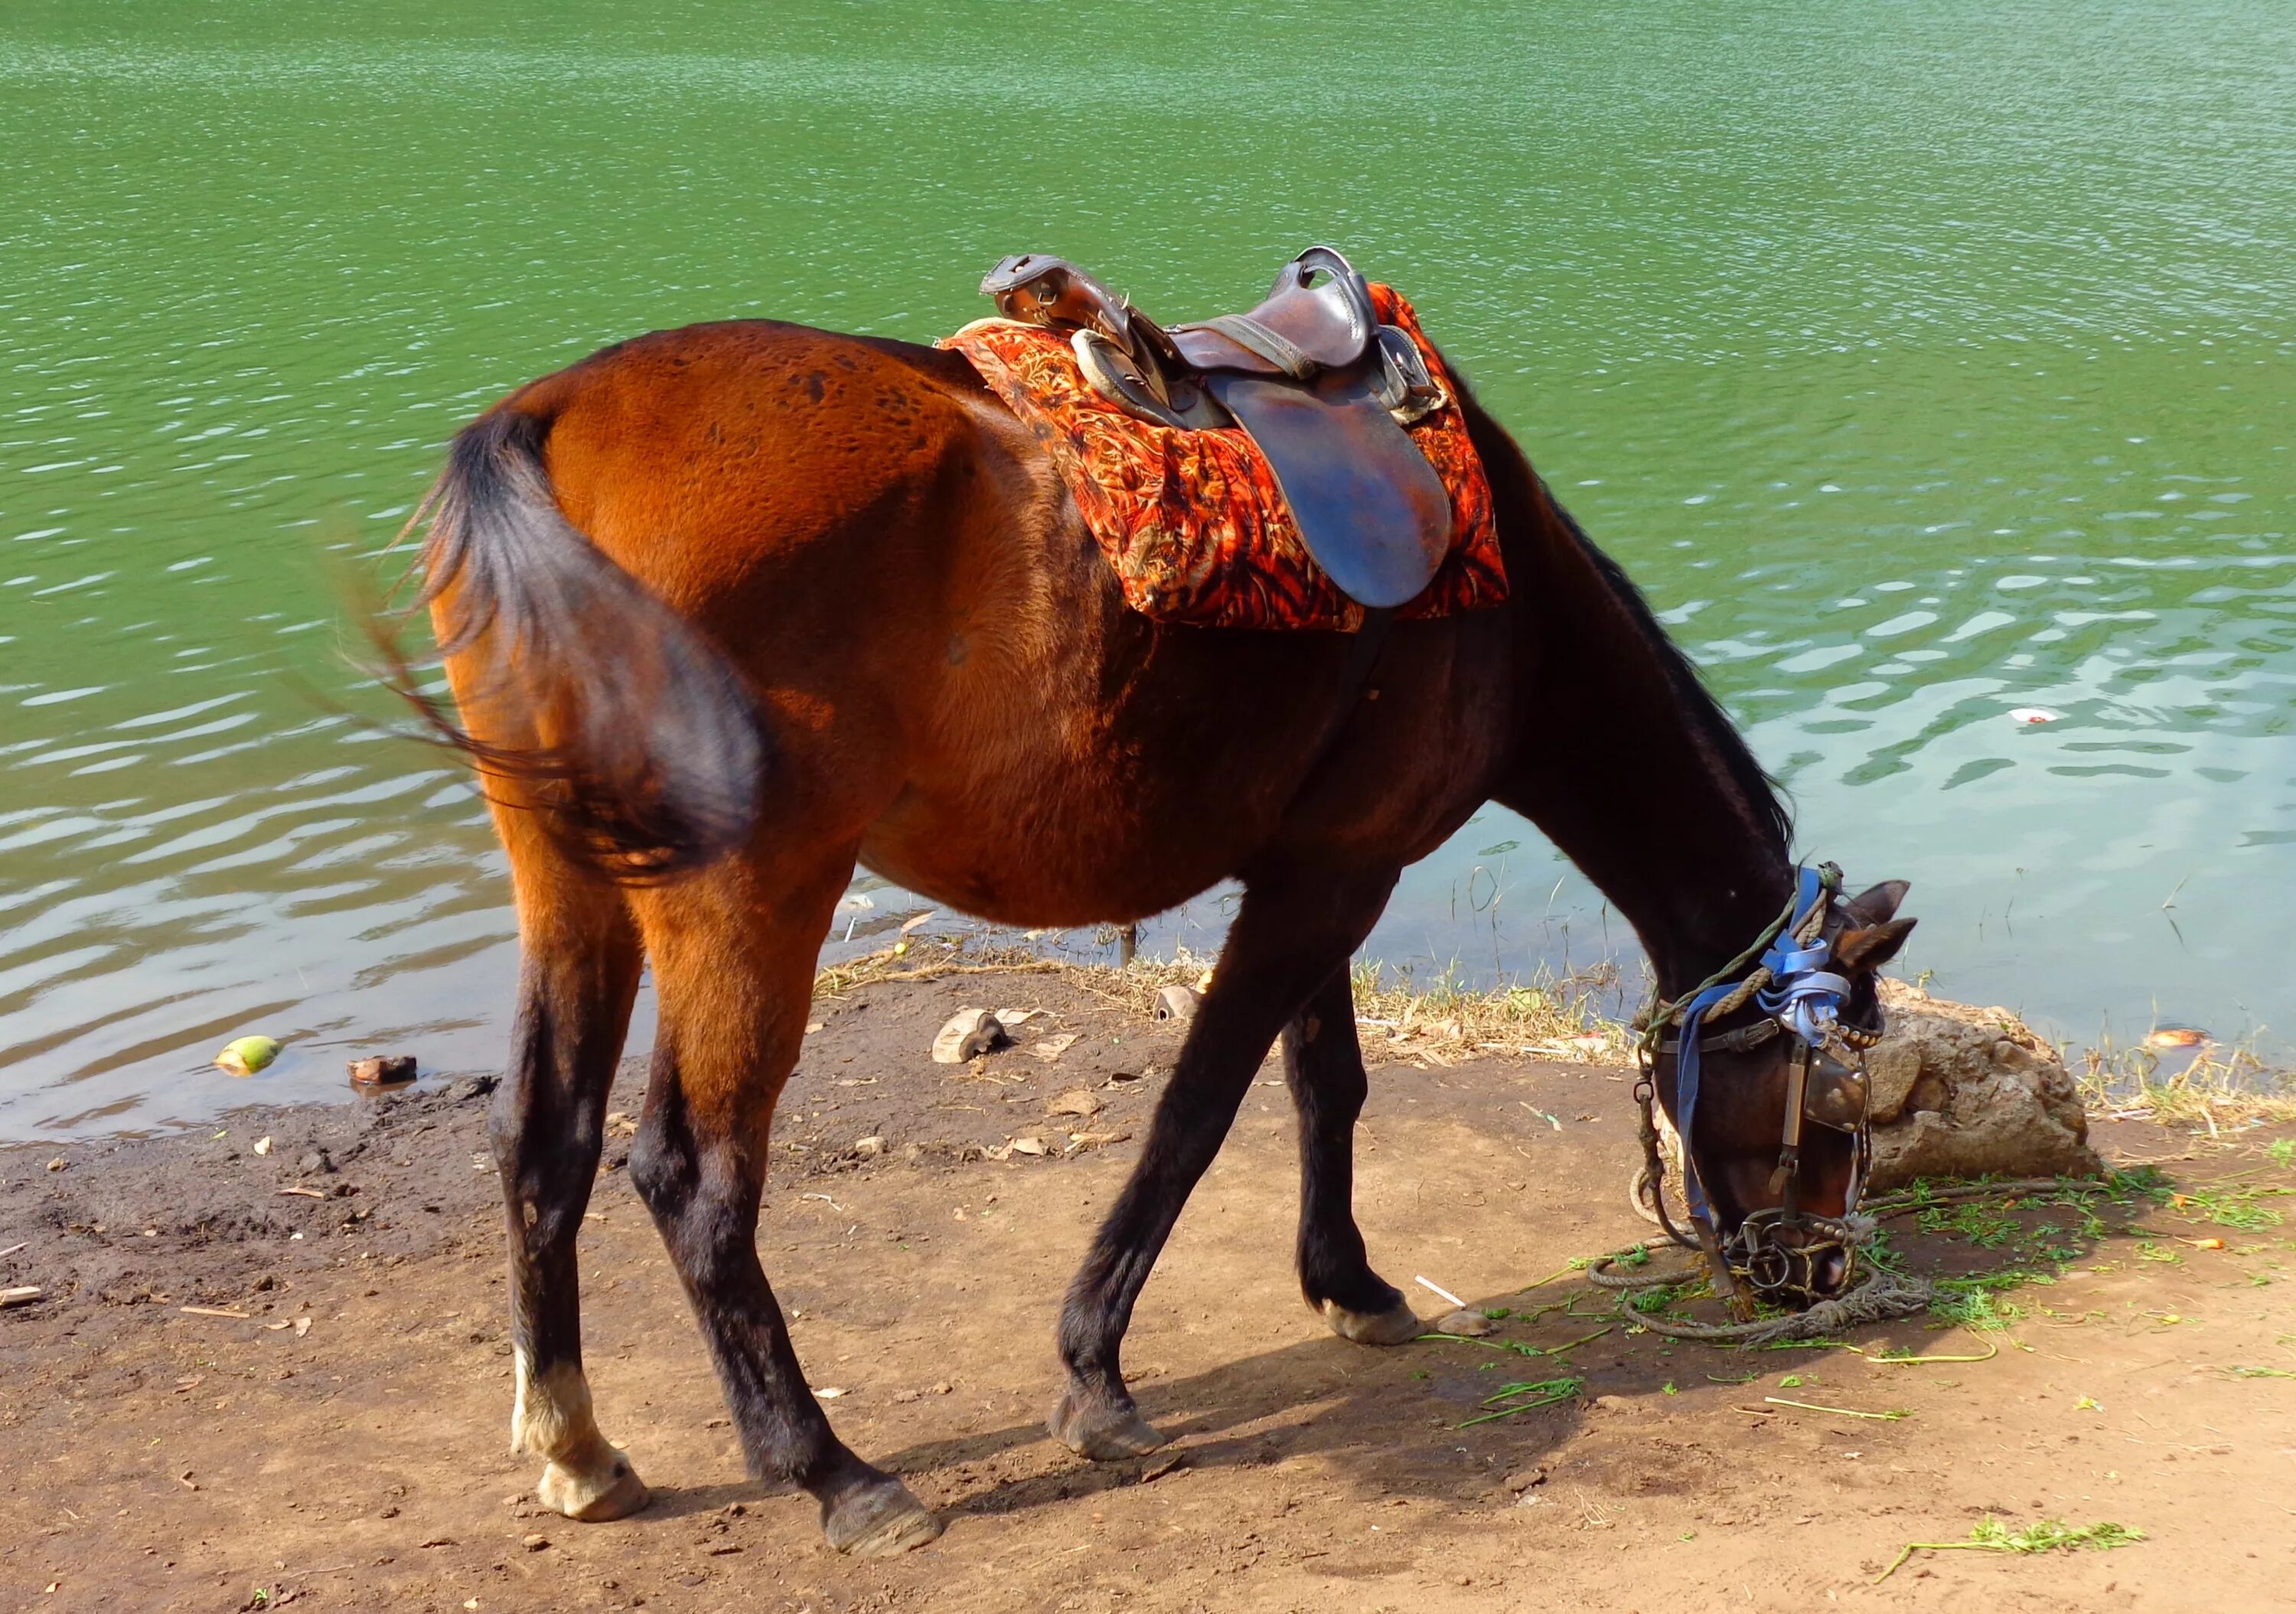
<point>726,610</point>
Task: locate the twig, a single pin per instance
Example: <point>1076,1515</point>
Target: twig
<point>1991,1351</point>
<point>12,1250</point>
<point>1846,1411</point>
<point>1560,1273</point>
<point>1438,1290</point>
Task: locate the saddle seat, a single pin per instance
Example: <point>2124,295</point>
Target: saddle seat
<point>1322,387</point>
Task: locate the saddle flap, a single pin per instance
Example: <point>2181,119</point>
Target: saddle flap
<point>1369,507</point>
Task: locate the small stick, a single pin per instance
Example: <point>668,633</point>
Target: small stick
<point>1556,1350</point>
<point>1812,1406</point>
<point>303,1194</point>
<point>1991,1351</point>
<point>1439,1291</point>
<point>1542,1284</point>
<point>23,1295</point>
<point>12,1250</point>
<point>214,1311</point>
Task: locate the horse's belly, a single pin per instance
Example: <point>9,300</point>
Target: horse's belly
<point>1043,863</point>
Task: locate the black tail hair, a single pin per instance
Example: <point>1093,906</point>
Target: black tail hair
<point>654,760</point>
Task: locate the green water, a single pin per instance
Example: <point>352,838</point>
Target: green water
<point>1923,362</point>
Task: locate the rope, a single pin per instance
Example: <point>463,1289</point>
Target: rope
<point>1879,1295</point>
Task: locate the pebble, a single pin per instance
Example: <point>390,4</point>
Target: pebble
<point>535,1543</point>
<point>1080,1100</point>
<point>1522,1480</point>
<point>1472,1324</point>
<point>869,1148</point>
<point>383,1069</point>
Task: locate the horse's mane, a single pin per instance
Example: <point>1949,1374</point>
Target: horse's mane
<point>1707,716</point>
<point>1506,463</point>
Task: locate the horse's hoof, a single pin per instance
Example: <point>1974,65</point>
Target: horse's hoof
<point>878,1520</point>
<point>1104,1434</point>
<point>1398,1324</point>
<point>614,1491</point>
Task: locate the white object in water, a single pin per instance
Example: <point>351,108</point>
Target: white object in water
<point>2033,714</point>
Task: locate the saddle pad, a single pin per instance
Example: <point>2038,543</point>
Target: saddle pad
<point>1192,521</point>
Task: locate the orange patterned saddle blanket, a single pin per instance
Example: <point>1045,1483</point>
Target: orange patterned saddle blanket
<point>1192,521</point>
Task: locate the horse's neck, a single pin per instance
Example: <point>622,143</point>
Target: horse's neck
<point>1623,766</point>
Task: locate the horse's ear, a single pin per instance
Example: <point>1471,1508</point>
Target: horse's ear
<point>1870,947</point>
<point>1877,905</point>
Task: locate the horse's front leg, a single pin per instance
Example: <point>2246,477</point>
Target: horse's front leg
<point>1294,929</point>
<point>1323,1063</point>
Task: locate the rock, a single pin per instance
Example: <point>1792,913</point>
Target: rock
<point>473,1088</point>
<point>263,1145</point>
<point>1028,1145</point>
<point>1960,1090</point>
<point>383,1069</point>
<point>869,1148</point>
<point>1081,1141</point>
<point>535,1543</point>
<point>1522,1480</point>
<point>314,1164</point>
<point>1177,1002</point>
<point>246,1055</point>
<point>968,1034</point>
<point>1473,1324</point>
<point>1079,1101</point>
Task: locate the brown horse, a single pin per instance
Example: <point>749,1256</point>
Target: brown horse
<point>730,608</point>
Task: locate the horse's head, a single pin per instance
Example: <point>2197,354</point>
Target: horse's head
<point>1772,1188</point>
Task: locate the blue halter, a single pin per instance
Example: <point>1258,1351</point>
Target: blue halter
<point>1804,997</point>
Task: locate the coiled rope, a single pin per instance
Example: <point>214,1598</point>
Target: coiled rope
<point>1879,1295</point>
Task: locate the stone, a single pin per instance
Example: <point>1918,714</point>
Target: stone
<point>968,1033</point>
<point>1177,1002</point>
<point>869,1148</point>
<point>1962,1091</point>
<point>383,1069</point>
<point>1080,1100</point>
<point>1470,1323</point>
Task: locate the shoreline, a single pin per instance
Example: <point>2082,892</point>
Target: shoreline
<point>1438,1017</point>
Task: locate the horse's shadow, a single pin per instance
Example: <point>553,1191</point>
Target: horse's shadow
<point>1394,1422</point>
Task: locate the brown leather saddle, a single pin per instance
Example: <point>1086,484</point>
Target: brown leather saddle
<point>1324,389</point>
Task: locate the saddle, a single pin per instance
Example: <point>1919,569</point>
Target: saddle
<point>1322,387</point>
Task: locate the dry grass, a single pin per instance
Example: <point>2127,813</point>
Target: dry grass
<point>2227,1087</point>
<point>1440,1020</point>
<point>1444,1018</point>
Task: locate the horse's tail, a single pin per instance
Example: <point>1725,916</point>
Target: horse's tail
<point>624,726</point>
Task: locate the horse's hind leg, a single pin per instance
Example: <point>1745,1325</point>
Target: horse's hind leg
<point>1322,1062</point>
<point>577,972</point>
<point>734,954</point>
<point>1296,927</point>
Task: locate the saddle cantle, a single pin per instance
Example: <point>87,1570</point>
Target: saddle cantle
<point>1322,388</point>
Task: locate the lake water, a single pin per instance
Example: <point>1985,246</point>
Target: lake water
<point>1923,362</point>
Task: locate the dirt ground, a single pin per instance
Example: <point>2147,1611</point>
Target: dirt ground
<point>341,1442</point>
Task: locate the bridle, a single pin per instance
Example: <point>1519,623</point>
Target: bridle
<point>1788,977</point>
